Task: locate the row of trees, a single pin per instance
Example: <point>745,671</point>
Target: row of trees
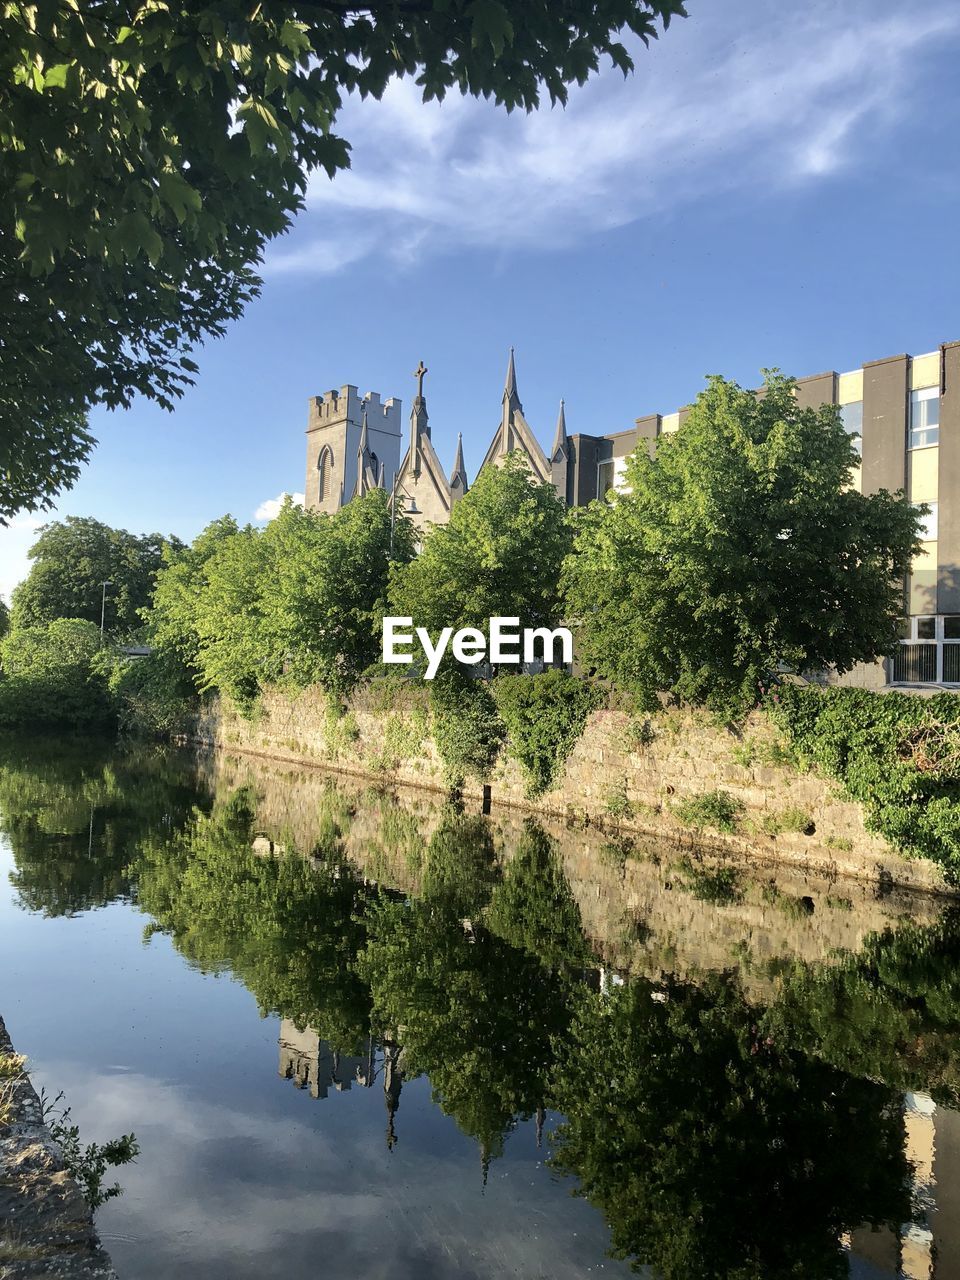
<point>739,547</point>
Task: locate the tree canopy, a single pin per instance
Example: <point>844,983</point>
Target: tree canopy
<point>499,555</point>
<point>297,600</point>
<point>148,153</point>
<point>738,547</point>
<point>73,558</point>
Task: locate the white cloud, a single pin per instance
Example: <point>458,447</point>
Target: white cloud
<point>16,539</point>
<point>270,507</point>
<point>742,95</point>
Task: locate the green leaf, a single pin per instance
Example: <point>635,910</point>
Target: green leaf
<point>56,77</point>
<point>181,197</point>
<point>489,22</point>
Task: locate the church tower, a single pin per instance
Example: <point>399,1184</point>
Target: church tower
<point>353,443</point>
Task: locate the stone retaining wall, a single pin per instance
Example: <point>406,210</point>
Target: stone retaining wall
<point>681,756</point>
<point>46,1225</point>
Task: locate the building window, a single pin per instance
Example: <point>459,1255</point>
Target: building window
<point>324,466</point>
<point>611,474</point>
<point>851,415</point>
<point>929,651</point>
<point>924,417</point>
<point>929,523</point>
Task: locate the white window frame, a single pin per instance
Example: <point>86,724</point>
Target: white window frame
<point>918,437</point>
<point>938,640</point>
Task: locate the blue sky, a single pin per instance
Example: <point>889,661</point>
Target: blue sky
<point>777,184</point>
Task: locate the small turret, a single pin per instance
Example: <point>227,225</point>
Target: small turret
<point>560,439</point>
<point>458,476</point>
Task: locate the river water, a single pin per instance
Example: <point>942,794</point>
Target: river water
<point>367,1033</point>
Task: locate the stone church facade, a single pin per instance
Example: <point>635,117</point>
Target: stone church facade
<point>354,444</point>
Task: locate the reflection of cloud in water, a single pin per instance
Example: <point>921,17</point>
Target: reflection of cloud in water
<point>249,1194</point>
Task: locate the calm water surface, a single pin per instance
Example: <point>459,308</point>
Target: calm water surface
<point>364,1033</point>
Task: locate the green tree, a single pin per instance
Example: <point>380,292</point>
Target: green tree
<point>73,558</point>
<point>499,555</point>
<point>738,547</point>
<point>298,600</point>
<point>148,154</point>
<point>175,608</point>
<point>714,1152</point>
<point>54,676</point>
<point>544,716</point>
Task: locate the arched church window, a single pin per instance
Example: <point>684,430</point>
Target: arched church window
<point>324,467</point>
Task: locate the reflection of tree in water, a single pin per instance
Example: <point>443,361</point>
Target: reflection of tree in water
<point>288,927</point>
<point>891,1011</point>
<point>713,1151</point>
<point>720,1138</point>
<point>74,814</point>
<point>474,1010</point>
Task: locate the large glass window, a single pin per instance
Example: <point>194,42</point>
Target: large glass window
<point>851,415</point>
<point>605,478</point>
<point>924,417</point>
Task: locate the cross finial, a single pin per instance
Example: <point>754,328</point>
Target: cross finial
<point>418,373</point>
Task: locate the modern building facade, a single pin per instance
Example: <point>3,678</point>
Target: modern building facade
<point>903,411</point>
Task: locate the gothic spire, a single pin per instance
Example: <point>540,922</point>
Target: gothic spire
<point>364,471</point>
<point>458,476</point>
<point>511,399</point>
<point>560,439</point>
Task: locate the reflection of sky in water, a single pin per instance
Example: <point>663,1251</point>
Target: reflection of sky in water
<point>240,1173</point>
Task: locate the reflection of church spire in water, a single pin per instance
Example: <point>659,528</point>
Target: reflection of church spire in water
<point>541,1116</point>
<point>392,1085</point>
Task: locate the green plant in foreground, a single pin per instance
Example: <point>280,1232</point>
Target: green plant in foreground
<point>87,1164</point>
<point>467,730</point>
<point>717,809</point>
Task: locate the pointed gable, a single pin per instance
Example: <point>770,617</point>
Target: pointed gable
<point>514,432</point>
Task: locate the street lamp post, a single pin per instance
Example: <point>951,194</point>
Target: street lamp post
<point>103,606</point>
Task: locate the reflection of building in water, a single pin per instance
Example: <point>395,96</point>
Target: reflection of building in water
<point>311,1064</point>
<point>928,1247</point>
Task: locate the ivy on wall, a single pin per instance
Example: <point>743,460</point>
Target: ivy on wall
<point>544,716</point>
<point>898,755</point>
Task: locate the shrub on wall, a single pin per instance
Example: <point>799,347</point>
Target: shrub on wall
<point>544,716</point>
<point>467,730</point>
<point>898,755</point>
